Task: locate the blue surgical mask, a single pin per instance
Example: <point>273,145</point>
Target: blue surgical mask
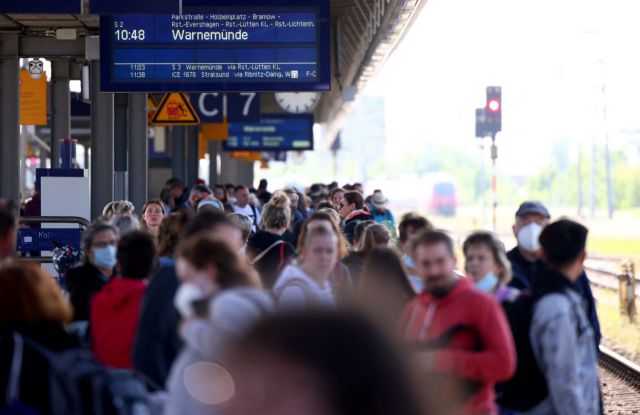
<point>408,261</point>
<point>105,257</point>
<point>488,282</point>
<point>417,283</point>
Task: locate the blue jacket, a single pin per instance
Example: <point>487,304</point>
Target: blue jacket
<point>523,271</point>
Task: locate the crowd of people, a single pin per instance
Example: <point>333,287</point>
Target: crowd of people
<point>242,301</point>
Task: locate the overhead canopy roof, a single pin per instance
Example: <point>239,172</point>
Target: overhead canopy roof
<point>364,33</point>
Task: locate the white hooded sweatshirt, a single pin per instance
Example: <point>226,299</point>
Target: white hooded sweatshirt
<point>296,289</point>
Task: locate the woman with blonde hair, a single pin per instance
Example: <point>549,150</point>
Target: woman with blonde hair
<point>269,249</point>
<point>218,300</point>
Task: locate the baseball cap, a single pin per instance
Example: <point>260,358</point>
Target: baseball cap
<point>532,207</point>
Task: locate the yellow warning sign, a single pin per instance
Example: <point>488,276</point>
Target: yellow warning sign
<point>152,107</point>
<point>175,109</point>
<point>33,99</point>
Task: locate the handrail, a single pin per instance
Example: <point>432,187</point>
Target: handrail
<point>38,259</point>
<point>55,219</point>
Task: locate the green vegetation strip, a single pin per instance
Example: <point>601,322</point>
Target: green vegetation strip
<point>614,326</point>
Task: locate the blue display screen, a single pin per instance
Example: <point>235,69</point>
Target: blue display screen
<point>272,133</point>
<point>241,48</point>
<point>41,6</point>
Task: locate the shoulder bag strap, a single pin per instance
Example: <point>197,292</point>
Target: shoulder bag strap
<point>266,251</point>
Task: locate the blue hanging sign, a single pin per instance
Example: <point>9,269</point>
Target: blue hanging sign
<point>272,133</point>
<point>41,6</point>
<point>240,106</point>
<point>134,7</point>
<point>236,45</point>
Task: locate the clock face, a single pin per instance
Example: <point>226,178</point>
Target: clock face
<point>298,102</point>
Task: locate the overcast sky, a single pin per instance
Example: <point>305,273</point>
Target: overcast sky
<point>551,58</point>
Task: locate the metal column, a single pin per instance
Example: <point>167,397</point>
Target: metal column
<point>178,153</point>
<point>193,155</point>
<point>9,117</point>
<point>101,144</point>
<point>120,133</point>
<point>212,149</point>
<point>60,108</point>
<point>246,170</point>
<point>138,151</point>
<point>228,168</point>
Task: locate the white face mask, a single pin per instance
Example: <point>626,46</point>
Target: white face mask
<point>528,237</point>
<point>187,293</point>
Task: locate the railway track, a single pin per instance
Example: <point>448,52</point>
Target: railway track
<point>605,276</point>
<point>620,379</point>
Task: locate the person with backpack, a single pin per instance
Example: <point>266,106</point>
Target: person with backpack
<point>306,284</point>
<point>531,218</point>
<point>381,214</point>
<point>562,339</point>
<point>115,310</point>
<point>219,300</point>
<point>33,307</point>
<point>243,206</point>
<point>268,250</point>
<point>460,336</point>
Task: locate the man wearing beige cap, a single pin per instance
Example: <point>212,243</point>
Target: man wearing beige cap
<point>381,214</point>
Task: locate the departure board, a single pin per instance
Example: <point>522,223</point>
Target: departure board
<point>280,132</point>
<point>243,48</point>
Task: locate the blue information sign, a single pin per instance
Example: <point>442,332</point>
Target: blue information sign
<point>240,106</point>
<point>134,7</point>
<point>241,45</point>
<point>272,133</point>
<point>46,239</point>
<point>41,6</point>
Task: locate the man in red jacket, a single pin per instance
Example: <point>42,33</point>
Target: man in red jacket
<point>463,342</point>
<point>116,308</point>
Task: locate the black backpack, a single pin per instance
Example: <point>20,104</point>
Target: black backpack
<point>79,384</point>
<point>528,387</point>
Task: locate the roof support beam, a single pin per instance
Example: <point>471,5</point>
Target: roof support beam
<point>48,47</point>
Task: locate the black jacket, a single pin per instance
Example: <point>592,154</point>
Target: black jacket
<point>273,261</point>
<point>34,382</point>
<point>157,341</point>
<point>524,273</point>
<point>83,283</point>
<point>352,221</point>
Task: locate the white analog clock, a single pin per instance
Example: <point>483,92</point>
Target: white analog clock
<point>297,102</point>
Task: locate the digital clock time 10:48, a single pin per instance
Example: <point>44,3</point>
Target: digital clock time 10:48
<point>123,34</point>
